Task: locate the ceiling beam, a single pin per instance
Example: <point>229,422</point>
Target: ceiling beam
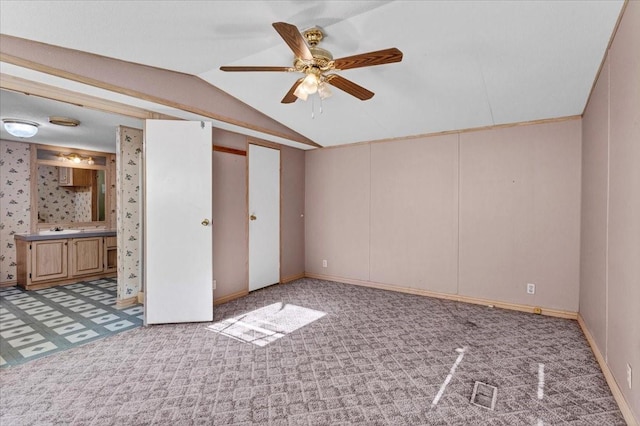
<point>28,87</point>
<point>170,88</point>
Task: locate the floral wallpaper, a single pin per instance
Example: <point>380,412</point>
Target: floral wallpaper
<point>128,176</point>
<point>83,204</point>
<point>15,199</point>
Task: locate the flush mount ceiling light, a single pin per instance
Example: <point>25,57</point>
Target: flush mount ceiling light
<point>64,121</point>
<point>20,128</point>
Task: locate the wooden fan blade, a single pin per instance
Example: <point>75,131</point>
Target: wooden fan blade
<point>243,68</point>
<point>379,57</point>
<point>294,40</point>
<point>349,86</point>
<point>290,98</point>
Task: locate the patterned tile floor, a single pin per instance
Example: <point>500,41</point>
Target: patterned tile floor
<point>374,358</point>
<point>37,323</point>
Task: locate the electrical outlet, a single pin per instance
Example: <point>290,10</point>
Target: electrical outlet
<point>214,284</point>
<point>629,375</point>
<point>531,288</point>
<point>324,263</point>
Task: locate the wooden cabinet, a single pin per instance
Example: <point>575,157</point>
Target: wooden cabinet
<point>48,260</point>
<point>47,263</point>
<point>110,254</point>
<point>69,176</point>
<point>86,256</point>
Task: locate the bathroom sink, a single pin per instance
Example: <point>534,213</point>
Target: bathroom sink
<point>62,232</point>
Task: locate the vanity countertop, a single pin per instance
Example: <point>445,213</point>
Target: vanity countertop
<point>58,235</point>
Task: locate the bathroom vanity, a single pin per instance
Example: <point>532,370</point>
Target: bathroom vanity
<point>50,258</point>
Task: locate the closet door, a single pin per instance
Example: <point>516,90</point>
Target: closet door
<point>178,249</point>
<point>264,216</point>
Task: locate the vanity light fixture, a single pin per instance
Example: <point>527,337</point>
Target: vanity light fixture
<point>75,158</point>
<point>64,121</point>
<point>20,128</point>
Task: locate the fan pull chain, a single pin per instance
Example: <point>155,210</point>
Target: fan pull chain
<point>313,114</point>
<point>320,106</point>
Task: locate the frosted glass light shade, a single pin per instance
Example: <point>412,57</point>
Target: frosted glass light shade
<point>310,84</point>
<point>301,93</point>
<point>21,128</point>
<point>323,91</point>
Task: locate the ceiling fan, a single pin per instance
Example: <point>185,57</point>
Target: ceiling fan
<point>317,64</point>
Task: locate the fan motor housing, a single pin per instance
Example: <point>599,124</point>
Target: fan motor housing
<point>322,58</point>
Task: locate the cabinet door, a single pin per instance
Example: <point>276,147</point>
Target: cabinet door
<point>64,176</point>
<point>48,260</point>
<point>110,254</point>
<point>81,177</point>
<point>69,176</point>
<point>86,256</point>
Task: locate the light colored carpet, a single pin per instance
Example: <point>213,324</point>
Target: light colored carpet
<point>354,356</point>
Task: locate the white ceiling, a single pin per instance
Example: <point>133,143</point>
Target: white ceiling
<point>96,132</point>
<point>466,63</point>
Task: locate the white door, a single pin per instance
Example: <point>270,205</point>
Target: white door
<point>178,249</point>
<point>264,216</point>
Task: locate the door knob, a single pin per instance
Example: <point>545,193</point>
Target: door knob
<point>253,217</point>
<point>205,222</point>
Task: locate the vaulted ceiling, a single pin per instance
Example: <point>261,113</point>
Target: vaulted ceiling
<point>466,64</point>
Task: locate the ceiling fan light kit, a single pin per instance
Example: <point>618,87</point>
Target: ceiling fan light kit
<point>317,64</point>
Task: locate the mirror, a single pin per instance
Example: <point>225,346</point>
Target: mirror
<point>59,203</point>
<point>71,187</point>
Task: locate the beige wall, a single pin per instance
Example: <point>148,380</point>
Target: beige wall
<point>230,233</point>
<point>610,264</point>
<point>337,199</point>
<point>520,214</point>
<point>414,213</point>
<point>292,213</point>
<point>477,214</point>
<point>593,243</point>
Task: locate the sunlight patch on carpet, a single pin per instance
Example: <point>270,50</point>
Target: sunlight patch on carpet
<point>265,325</point>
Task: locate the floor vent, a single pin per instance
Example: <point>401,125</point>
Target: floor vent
<point>484,395</point>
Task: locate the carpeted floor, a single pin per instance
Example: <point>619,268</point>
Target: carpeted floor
<point>320,353</point>
<point>38,323</point>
